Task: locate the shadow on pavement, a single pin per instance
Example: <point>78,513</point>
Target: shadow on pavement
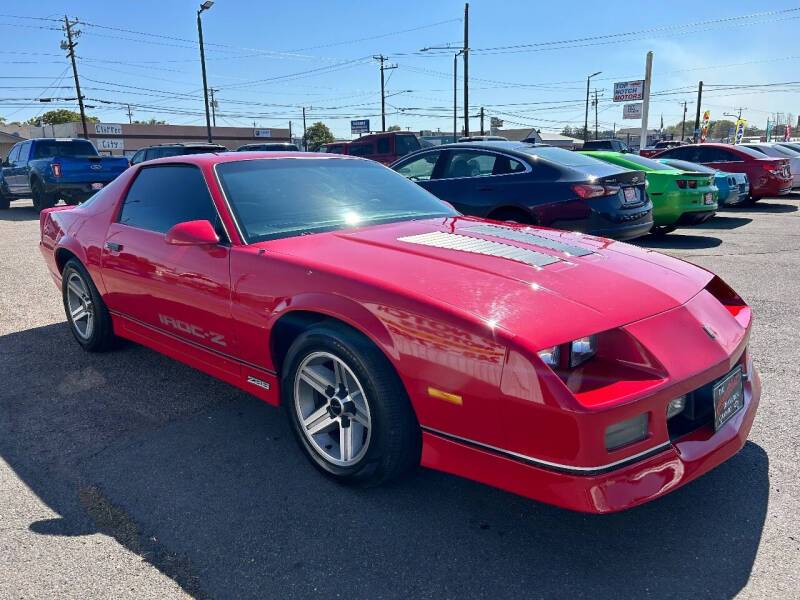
<point>205,483</point>
<point>765,207</point>
<point>725,222</point>
<point>19,211</point>
<point>675,241</point>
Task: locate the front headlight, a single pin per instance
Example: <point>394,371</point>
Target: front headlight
<point>575,353</point>
<point>551,356</point>
<point>582,350</point>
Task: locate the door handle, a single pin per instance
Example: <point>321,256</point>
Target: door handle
<point>113,246</point>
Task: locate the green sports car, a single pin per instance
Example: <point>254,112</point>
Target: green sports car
<point>679,197</point>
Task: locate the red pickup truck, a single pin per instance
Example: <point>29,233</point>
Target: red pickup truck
<point>384,147</point>
<point>660,147</point>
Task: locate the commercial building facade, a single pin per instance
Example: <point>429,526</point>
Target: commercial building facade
<point>123,139</point>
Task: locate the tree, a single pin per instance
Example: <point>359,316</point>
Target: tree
<point>59,116</point>
<point>394,128</point>
<point>150,122</point>
<point>318,134</point>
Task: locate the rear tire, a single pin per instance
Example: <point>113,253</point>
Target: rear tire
<point>662,230</point>
<point>86,312</point>
<point>41,199</point>
<point>348,408</point>
<point>512,215</point>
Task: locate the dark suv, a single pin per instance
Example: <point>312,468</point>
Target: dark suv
<point>269,147</point>
<point>164,150</point>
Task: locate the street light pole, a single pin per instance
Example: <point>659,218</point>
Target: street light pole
<point>465,52</point>
<point>586,116</point>
<point>203,7</point>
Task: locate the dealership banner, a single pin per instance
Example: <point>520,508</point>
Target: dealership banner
<point>740,125</point>
<point>632,111</point>
<point>704,125</point>
<point>787,133</point>
<point>628,91</point>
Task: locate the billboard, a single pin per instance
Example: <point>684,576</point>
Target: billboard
<point>628,91</point>
<point>262,133</point>
<point>632,111</point>
<point>359,126</point>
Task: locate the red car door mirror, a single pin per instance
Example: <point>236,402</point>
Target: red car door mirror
<point>192,233</point>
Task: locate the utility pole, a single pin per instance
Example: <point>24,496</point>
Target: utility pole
<point>466,69</point>
<point>290,132</point>
<point>204,6</point>
<point>70,46</point>
<point>382,59</point>
<point>305,140</point>
<point>648,76</point>
<point>683,123</point>
<point>586,114</point>
<point>455,97</point>
<point>213,106</point>
<point>595,114</point>
<point>130,114</point>
<point>482,115</point>
<point>697,114</point>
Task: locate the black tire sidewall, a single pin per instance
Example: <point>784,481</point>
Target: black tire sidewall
<point>380,385</point>
<point>41,199</point>
<point>102,333</point>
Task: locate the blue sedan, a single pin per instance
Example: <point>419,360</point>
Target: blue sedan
<point>734,188</point>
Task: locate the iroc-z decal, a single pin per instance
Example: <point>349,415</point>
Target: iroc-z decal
<point>194,330</point>
<point>258,382</point>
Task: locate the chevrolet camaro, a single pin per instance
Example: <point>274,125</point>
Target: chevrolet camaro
<point>395,332</point>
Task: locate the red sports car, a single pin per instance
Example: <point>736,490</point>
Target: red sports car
<point>567,368</point>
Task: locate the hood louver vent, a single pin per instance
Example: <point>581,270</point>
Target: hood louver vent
<point>463,243</point>
<point>508,233</point>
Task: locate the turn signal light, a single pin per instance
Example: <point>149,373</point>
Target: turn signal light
<point>626,432</point>
<point>56,169</point>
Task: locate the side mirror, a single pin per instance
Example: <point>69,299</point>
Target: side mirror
<point>192,233</point>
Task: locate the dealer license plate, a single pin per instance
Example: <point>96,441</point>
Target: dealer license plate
<point>97,186</point>
<point>728,396</point>
<point>629,193</point>
<point>708,198</point>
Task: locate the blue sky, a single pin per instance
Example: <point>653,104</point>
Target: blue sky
<point>253,48</point>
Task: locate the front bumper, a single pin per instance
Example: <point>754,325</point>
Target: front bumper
<point>618,488</point>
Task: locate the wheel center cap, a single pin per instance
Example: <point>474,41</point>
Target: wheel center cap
<point>335,407</point>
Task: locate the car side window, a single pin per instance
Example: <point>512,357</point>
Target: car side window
<point>405,144</point>
<point>25,152</point>
<point>12,156</point>
<point>138,157</point>
<point>688,153</point>
<point>361,149</point>
<point>420,169</point>
<point>165,195</point>
<point>383,146</point>
<point>469,163</point>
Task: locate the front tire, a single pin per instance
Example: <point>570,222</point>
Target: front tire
<point>348,408</point>
<point>86,312</point>
<point>662,230</point>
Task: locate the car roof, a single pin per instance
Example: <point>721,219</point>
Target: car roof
<point>183,145</point>
<point>214,158</point>
<point>489,145</point>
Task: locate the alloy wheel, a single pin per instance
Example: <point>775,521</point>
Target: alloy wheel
<point>80,306</point>
<point>332,409</point>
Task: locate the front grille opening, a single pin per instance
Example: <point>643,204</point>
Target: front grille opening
<point>699,413</point>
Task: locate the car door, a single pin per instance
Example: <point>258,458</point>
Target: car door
<point>9,174</point>
<point>474,181</point>
<point>180,291</point>
<point>20,169</point>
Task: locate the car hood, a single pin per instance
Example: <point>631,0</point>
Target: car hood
<point>547,285</point>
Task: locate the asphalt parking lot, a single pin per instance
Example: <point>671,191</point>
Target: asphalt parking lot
<point>130,475</point>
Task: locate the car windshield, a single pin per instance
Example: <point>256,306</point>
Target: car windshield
<point>288,197</point>
<point>647,163</point>
<point>66,148</point>
<point>559,156</point>
<point>685,165</point>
